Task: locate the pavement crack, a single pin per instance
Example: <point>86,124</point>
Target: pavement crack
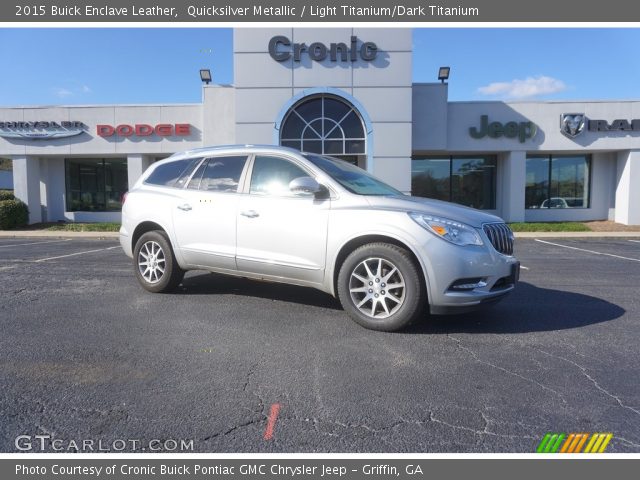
<point>485,430</point>
<point>504,370</point>
<point>231,429</point>
<point>627,442</point>
<point>245,389</point>
<point>592,380</point>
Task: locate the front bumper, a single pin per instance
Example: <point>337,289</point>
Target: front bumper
<point>448,265</point>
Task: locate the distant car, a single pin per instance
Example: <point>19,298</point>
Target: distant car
<point>274,213</point>
<point>555,202</point>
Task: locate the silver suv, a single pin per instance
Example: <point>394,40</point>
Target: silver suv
<point>276,214</point>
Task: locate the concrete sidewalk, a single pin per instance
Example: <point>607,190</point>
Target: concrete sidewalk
<point>63,234</point>
<point>577,234</point>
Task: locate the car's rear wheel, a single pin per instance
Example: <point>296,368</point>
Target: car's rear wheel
<point>155,264</point>
<point>380,287</point>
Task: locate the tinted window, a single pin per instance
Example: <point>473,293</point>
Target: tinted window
<point>184,176</point>
<point>467,180</point>
<point>194,183</point>
<point>95,185</point>
<point>558,182</point>
<point>168,173</point>
<point>221,174</point>
<point>271,175</point>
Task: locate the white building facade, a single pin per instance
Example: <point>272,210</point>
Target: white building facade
<point>346,92</point>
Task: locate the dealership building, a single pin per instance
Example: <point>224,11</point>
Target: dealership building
<point>346,92</point>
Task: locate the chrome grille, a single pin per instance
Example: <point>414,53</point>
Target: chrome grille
<point>501,237</point>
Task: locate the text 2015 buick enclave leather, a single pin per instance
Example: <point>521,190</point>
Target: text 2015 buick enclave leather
<point>277,214</point>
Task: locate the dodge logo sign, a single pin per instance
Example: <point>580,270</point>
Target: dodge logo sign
<point>572,124</point>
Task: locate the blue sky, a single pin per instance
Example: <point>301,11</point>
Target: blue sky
<point>87,66</point>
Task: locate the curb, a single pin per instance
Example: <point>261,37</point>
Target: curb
<point>55,234</point>
<point>577,234</point>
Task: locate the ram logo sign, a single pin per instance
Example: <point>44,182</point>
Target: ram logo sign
<point>572,124</point>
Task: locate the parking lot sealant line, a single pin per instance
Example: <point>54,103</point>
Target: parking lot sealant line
<point>74,254</point>
<point>588,251</point>
<point>271,421</point>
<point>35,243</point>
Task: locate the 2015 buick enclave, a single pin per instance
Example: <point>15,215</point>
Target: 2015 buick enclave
<point>274,213</point>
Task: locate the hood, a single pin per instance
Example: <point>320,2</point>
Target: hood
<point>438,208</point>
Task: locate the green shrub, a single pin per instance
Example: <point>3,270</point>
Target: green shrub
<point>6,195</point>
<point>13,213</point>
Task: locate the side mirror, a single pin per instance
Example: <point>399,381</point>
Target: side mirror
<point>304,186</point>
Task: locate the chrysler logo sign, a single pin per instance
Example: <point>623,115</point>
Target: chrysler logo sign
<point>38,130</point>
<point>573,124</point>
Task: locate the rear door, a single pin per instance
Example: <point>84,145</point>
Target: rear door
<point>205,216</point>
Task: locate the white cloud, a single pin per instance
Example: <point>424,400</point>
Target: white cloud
<point>62,92</point>
<point>71,91</point>
<point>527,88</point>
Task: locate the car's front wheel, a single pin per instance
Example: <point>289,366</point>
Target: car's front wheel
<point>380,287</point>
<point>155,264</point>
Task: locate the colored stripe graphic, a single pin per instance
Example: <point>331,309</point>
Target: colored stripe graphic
<point>573,442</point>
<point>550,443</point>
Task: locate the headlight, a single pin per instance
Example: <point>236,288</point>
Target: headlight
<point>450,230</point>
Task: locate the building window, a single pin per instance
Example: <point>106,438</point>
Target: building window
<point>327,125</point>
<point>95,185</point>
<point>467,180</point>
<point>555,181</point>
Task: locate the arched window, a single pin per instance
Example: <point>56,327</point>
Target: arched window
<point>325,124</point>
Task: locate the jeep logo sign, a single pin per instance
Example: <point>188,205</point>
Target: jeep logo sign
<point>520,130</point>
<point>280,49</point>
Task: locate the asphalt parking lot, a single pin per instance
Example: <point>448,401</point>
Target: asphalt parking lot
<point>243,366</point>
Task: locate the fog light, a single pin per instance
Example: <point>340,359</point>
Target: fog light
<point>468,284</point>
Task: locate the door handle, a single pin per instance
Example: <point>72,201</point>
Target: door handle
<point>185,206</point>
<point>250,214</point>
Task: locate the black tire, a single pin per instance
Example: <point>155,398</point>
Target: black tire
<point>157,242</point>
<point>402,305</point>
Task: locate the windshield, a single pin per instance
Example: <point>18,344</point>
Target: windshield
<point>351,177</point>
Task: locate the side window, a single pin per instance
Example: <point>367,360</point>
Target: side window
<point>194,183</point>
<point>184,176</point>
<point>271,176</point>
<point>168,174</point>
<point>219,174</point>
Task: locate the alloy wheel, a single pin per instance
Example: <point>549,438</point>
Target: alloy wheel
<point>377,288</point>
<point>151,262</point>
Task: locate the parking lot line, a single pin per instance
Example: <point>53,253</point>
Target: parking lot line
<point>588,251</point>
<point>635,241</point>
<point>73,254</point>
<point>35,243</point>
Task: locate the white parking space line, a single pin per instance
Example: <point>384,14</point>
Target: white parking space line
<point>34,243</point>
<point>588,251</point>
<point>523,267</point>
<point>635,241</point>
<point>74,254</point>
